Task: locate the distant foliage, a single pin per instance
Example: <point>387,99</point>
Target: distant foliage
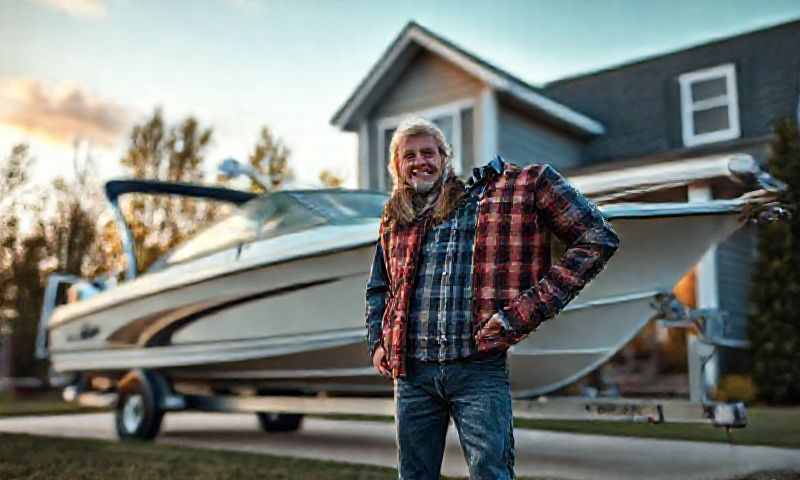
<point>735,388</point>
<point>14,171</point>
<point>42,231</point>
<point>270,157</point>
<point>172,153</point>
<point>330,179</point>
<point>20,255</point>
<point>774,326</point>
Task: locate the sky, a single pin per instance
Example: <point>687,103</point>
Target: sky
<point>90,69</point>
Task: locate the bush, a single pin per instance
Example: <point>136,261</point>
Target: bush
<point>735,388</point>
<point>774,325</point>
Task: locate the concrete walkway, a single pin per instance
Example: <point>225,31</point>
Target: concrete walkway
<point>539,453</point>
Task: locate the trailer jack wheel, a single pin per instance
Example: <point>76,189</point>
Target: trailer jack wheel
<point>138,414</point>
<point>279,422</point>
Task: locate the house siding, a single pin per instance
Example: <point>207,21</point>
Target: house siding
<point>524,141</point>
<point>427,82</point>
<point>735,259</point>
<point>640,103</point>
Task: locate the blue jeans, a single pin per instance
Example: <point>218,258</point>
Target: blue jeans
<point>476,394</point>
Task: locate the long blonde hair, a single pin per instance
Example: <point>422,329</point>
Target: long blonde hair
<point>399,209</point>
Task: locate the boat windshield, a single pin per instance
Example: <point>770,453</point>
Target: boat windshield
<point>277,214</point>
<point>342,206</point>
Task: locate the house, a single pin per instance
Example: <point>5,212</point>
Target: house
<point>674,115</point>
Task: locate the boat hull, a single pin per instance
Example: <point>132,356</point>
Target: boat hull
<point>297,324</point>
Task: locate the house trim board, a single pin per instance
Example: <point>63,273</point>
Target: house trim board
<point>363,155</point>
<point>487,142</point>
<point>703,364</point>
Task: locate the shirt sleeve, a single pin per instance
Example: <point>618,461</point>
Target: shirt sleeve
<point>377,287</point>
<point>590,242</point>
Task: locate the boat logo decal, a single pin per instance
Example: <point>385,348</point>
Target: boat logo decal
<point>87,331</point>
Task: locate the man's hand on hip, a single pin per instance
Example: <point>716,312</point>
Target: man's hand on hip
<point>379,361</point>
<point>492,329</point>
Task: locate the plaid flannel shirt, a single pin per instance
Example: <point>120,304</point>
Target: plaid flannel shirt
<point>511,266</point>
<point>440,314</point>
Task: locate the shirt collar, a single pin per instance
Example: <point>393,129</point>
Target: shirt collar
<point>480,175</point>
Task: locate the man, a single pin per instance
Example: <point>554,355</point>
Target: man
<point>461,273</point>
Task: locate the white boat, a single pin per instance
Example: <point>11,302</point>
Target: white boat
<point>272,296</point>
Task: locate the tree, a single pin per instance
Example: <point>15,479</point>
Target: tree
<point>26,281</point>
<point>774,326</point>
<point>176,153</point>
<point>21,253</point>
<point>14,172</point>
<point>72,230</point>
<point>59,236</point>
<point>330,179</point>
<point>270,157</point>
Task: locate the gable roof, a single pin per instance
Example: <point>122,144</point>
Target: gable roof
<point>412,39</point>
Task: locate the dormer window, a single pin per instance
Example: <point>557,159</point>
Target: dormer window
<point>709,105</point>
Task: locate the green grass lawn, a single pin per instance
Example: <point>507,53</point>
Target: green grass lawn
<point>41,403</point>
<point>33,457</point>
<point>773,427</point>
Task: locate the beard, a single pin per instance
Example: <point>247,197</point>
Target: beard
<point>423,187</point>
<point>426,186</point>
<point>425,193</point>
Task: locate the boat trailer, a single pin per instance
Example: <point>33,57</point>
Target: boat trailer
<point>142,397</point>
<point>292,408</point>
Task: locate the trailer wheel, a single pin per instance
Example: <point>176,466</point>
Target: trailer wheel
<point>272,422</point>
<point>138,415</point>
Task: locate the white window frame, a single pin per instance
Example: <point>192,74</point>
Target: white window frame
<point>453,110</point>
<point>689,107</point>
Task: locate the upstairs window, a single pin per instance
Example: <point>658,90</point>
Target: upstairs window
<point>709,105</point>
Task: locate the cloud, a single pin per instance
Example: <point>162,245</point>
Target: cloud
<point>90,9</point>
<point>60,115</point>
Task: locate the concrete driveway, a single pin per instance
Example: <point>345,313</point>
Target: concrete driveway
<point>539,453</point>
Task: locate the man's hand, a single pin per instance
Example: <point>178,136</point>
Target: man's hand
<point>491,329</point>
<point>379,361</point>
